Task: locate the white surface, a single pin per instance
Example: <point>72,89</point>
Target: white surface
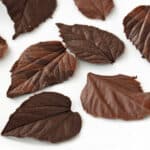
<point>98,134</point>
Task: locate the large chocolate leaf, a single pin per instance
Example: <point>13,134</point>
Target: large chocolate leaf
<point>28,14</point>
<point>41,65</point>
<point>46,116</point>
<point>137,29</point>
<point>3,47</point>
<point>117,97</point>
<point>91,44</point>
<point>95,9</point>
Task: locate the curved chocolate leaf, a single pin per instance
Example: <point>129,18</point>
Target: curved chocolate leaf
<point>28,14</point>
<point>137,29</point>
<point>46,116</point>
<point>117,97</point>
<point>41,65</point>
<point>95,9</point>
<point>91,44</point>
<point>3,47</point>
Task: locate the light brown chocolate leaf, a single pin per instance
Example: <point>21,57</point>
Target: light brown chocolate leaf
<point>28,14</point>
<point>46,116</point>
<point>41,65</point>
<point>115,97</point>
<point>91,44</point>
<point>95,9</point>
<point>137,29</point>
<point>3,47</point>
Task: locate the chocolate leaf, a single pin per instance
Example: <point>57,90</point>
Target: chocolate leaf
<point>28,14</point>
<point>46,116</point>
<point>137,29</point>
<point>41,65</point>
<point>3,47</point>
<point>117,97</point>
<point>95,9</point>
<point>91,44</point>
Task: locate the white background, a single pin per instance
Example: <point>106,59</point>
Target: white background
<point>96,133</point>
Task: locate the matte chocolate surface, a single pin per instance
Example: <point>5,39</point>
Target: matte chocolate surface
<point>41,65</point>
<point>95,9</point>
<point>115,97</point>
<point>46,116</point>
<point>3,47</point>
<point>91,44</point>
<point>137,29</point>
<point>28,14</point>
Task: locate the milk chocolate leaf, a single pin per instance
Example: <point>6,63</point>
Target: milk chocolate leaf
<point>46,116</point>
<point>41,65</point>
<point>28,14</point>
<point>117,97</point>
<point>95,9</point>
<point>3,47</point>
<point>91,44</point>
<point>137,29</point>
<point>143,99</point>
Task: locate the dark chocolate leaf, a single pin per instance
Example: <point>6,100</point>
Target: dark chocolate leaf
<point>3,47</point>
<point>95,9</point>
<point>116,97</point>
<point>91,44</point>
<point>28,14</point>
<point>46,116</point>
<point>137,29</point>
<point>41,65</point>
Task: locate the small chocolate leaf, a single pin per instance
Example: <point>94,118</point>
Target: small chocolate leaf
<point>95,9</point>
<point>28,14</point>
<point>116,97</point>
<point>91,44</point>
<point>137,29</point>
<point>3,47</point>
<point>46,116</point>
<point>41,65</point>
